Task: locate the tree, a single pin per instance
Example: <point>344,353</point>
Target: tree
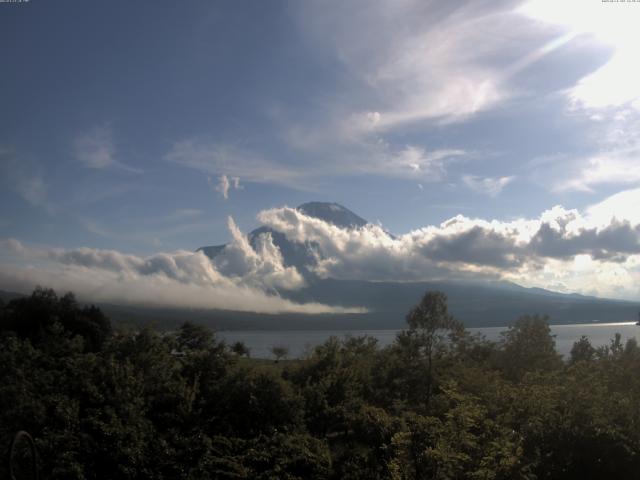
<point>32,317</point>
<point>240,348</point>
<point>582,350</point>
<point>280,352</point>
<point>430,324</point>
<point>528,345</point>
<point>192,337</point>
<point>43,314</point>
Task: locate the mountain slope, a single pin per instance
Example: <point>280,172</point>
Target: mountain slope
<point>294,254</point>
<point>333,213</point>
<point>476,304</point>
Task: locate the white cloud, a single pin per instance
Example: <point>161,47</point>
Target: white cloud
<point>262,267</point>
<point>418,60</point>
<point>544,251</point>
<point>613,167</point>
<point>620,206</point>
<point>95,148</point>
<point>617,82</point>
<point>100,286</point>
<point>214,159</point>
<point>491,186</point>
<point>240,279</point>
<point>360,157</point>
<point>615,159</point>
<point>613,85</point>
<point>594,251</point>
<point>225,184</point>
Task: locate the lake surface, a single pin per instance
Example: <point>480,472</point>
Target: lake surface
<point>300,342</point>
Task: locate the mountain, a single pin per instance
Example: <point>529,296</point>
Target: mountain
<point>476,304</point>
<point>295,254</point>
<point>333,213</point>
<point>8,296</point>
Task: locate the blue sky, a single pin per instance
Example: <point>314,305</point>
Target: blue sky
<point>140,127</point>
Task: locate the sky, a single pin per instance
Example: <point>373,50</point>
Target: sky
<point>495,139</point>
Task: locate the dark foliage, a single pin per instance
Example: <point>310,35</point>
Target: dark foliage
<point>437,404</point>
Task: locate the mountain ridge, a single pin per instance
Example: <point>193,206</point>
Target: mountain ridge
<point>476,303</point>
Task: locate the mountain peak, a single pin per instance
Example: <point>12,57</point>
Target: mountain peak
<point>333,213</point>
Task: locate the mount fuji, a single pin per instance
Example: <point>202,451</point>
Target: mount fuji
<point>481,303</point>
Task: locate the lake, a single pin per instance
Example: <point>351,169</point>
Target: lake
<point>301,341</point>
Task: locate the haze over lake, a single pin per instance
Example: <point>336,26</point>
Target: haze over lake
<point>300,342</point>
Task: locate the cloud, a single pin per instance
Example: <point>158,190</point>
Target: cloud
<point>419,61</point>
<point>240,279</point>
<point>617,82</point>
<point>260,267</point>
<point>622,205</point>
<point>617,167</point>
<point>614,159</point>
<point>215,158</point>
<point>25,178</point>
<point>414,161</point>
<point>95,149</point>
<point>225,184</point>
<point>491,186</point>
<point>183,214</point>
<point>592,251</point>
<point>33,190</point>
<point>543,251</point>
<point>359,157</point>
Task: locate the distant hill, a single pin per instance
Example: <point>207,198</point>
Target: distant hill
<point>477,304</point>
<point>492,305</point>
<point>8,296</point>
<point>497,304</point>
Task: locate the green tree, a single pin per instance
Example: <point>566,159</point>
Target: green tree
<point>582,350</point>
<point>192,337</point>
<point>528,345</point>
<point>430,327</point>
<point>280,352</point>
<point>240,349</point>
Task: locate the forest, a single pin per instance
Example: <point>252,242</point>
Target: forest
<point>103,402</point>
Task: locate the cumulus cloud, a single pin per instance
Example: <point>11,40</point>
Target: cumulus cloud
<point>241,278</point>
<point>592,251</point>
<point>526,251</point>
<point>225,184</point>
<point>263,266</point>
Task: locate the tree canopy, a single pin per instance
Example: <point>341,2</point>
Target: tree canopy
<point>438,403</point>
